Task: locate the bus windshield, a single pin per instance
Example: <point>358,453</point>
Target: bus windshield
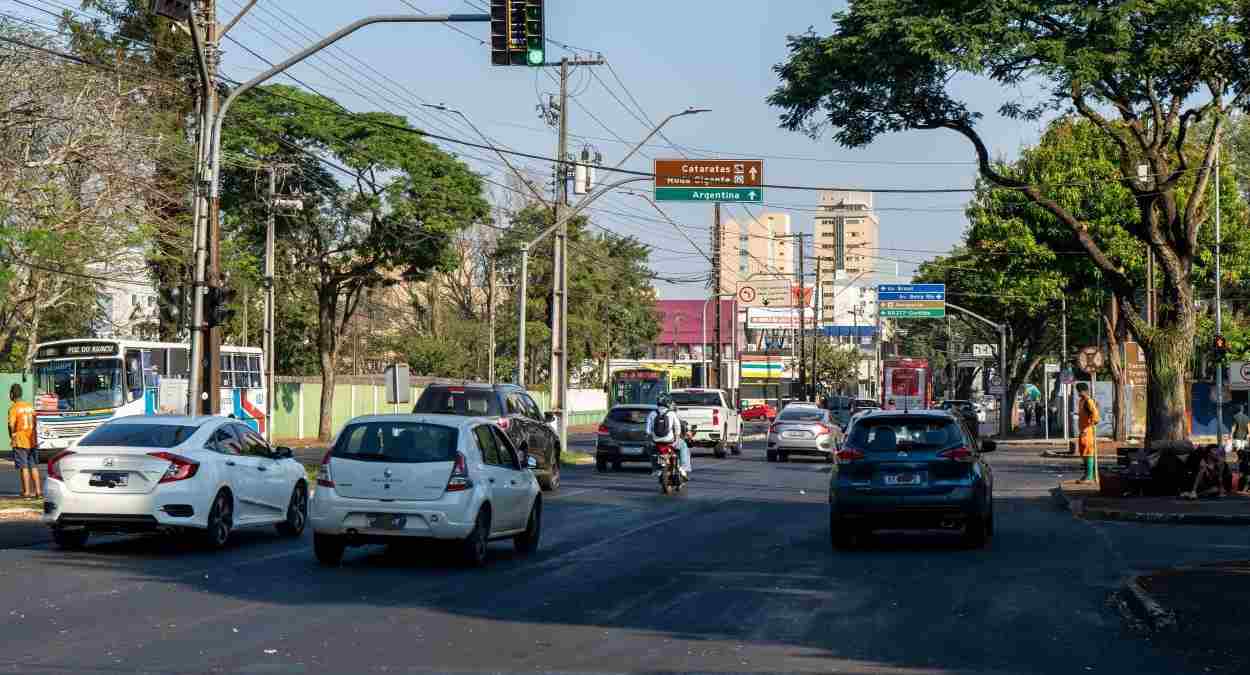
<point>79,385</point>
<point>638,387</point>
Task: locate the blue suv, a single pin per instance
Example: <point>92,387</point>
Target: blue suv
<point>911,470</point>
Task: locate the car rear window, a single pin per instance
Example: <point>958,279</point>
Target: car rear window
<point>865,403</point>
<point>397,442</point>
<point>801,415</point>
<point>629,415</point>
<point>694,398</point>
<point>892,434</point>
<point>139,435</point>
<point>459,401</point>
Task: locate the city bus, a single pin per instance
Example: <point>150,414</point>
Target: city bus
<point>78,384</point>
<point>637,386</point>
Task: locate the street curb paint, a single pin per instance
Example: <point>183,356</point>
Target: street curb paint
<point>1144,605</point>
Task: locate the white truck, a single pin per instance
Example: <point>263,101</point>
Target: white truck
<point>713,422</point>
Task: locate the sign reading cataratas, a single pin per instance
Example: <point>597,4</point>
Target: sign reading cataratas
<point>709,180</point>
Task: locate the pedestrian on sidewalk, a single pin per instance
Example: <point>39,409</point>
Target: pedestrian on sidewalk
<point>1087,426</point>
<point>1241,437</point>
<point>22,438</point>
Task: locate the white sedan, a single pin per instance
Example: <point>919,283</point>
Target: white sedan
<point>391,478</point>
<point>208,475</point>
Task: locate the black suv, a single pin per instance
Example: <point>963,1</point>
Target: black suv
<point>513,409</point>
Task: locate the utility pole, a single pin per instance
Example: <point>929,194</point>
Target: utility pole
<point>817,290</point>
<point>1219,311</point>
<point>803,393</point>
<point>490,317</point>
<point>560,274</point>
<point>717,291</point>
<point>211,333</point>
<point>269,304</point>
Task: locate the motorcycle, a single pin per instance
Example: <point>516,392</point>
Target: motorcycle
<point>666,462</point>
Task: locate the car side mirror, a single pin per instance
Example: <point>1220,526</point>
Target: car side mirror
<point>283,452</point>
<point>530,462</point>
<point>549,417</point>
<point>988,446</point>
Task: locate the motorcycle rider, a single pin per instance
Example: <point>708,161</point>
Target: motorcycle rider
<point>674,437</point>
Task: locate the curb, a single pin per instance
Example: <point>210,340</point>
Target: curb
<point>1139,600</point>
<point>1078,509</point>
<point>10,512</point>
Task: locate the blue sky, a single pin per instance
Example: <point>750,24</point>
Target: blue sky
<point>715,54</point>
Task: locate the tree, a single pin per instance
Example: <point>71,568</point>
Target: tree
<point>75,193</point>
<point>836,365</point>
<point>393,220</point>
<point>1161,67</point>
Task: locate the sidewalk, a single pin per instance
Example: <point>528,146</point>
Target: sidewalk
<point>1084,501</point>
<point>1193,610</point>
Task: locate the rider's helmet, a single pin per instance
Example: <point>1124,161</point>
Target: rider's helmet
<point>664,401</point>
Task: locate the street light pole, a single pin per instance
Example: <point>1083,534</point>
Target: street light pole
<point>1004,413</point>
<point>205,340</point>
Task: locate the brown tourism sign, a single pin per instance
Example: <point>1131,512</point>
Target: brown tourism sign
<point>709,180</point>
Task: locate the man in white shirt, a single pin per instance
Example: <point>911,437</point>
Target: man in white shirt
<point>674,436</point>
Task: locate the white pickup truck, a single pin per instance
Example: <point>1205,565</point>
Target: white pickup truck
<point>712,421</point>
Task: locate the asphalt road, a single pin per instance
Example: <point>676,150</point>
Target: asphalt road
<point>734,575</point>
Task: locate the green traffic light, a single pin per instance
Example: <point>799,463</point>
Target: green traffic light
<point>537,57</point>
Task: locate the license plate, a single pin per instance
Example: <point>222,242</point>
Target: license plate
<point>902,479</point>
<point>795,434</point>
<point>108,479</point>
<point>386,521</point>
<point>631,450</point>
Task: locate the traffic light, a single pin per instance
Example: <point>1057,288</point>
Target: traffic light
<point>517,33</point>
<point>1221,348</point>
<point>171,303</point>
<point>218,310</point>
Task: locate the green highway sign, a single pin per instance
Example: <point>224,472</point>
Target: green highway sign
<point>683,194</point>
<point>927,313</point>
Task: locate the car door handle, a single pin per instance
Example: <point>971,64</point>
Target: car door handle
<point>229,463</point>
<point>492,480</point>
<point>261,468</point>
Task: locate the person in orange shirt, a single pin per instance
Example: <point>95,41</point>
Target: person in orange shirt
<point>1087,425</point>
<point>22,438</point>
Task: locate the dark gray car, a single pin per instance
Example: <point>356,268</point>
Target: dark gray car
<point>911,470</point>
<point>623,437</point>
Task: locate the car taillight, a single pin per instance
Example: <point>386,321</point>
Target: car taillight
<point>459,480</point>
<point>848,455</point>
<point>958,454</point>
<point>323,471</point>
<point>664,448</point>
<point>504,423</point>
<point>603,429</point>
<point>773,428</point>
<point>716,418</point>
<point>54,464</point>
<point>180,468</point>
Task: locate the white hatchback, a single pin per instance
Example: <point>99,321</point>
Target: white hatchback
<point>391,478</point>
<point>154,473</point>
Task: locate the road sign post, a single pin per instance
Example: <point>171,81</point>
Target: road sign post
<point>911,301</point>
<point>709,180</point>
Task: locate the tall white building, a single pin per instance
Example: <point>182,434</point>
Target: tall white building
<point>127,302</point>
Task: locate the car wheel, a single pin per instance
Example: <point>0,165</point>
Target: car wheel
<point>527,542</point>
<point>473,548</point>
<point>296,513</point>
<point>719,451</point>
<point>771,456</point>
<point>70,540</point>
<point>841,537</point>
<point>601,465</point>
<point>329,549</point>
<point>551,483</point>
<point>736,449</point>
<point>976,532</point>
<point>220,521</point>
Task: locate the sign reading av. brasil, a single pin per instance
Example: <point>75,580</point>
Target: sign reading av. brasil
<point>912,301</point>
<point>709,180</point>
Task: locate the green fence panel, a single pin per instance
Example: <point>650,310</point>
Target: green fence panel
<point>286,410</point>
<point>312,409</point>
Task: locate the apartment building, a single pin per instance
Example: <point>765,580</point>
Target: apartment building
<point>755,247</point>
<point>847,239</point>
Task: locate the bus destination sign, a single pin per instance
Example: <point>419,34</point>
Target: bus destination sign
<point>74,349</point>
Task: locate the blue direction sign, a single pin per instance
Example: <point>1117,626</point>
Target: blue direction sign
<point>911,301</point>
